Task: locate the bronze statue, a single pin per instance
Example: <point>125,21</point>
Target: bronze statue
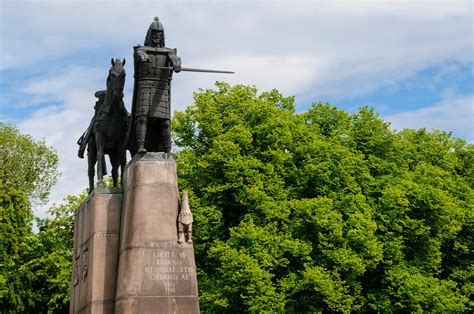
<point>150,127</point>
<point>108,128</point>
<point>154,67</point>
<point>83,140</point>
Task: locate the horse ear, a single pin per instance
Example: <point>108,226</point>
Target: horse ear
<point>123,63</point>
<point>112,61</point>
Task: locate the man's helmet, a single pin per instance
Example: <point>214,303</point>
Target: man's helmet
<point>157,27</point>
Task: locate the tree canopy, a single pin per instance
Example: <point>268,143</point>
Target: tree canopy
<point>27,165</point>
<point>323,210</point>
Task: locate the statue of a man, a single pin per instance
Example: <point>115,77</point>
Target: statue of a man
<point>84,139</point>
<point>150,128</point>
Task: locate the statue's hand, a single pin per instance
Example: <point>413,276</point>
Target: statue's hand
<point>175,62</point>
<point>143,56</point>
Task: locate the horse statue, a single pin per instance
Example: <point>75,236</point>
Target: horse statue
<point>108,129</point>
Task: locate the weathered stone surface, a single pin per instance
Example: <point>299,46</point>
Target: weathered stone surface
<point>96,240</point>
<point>156,274</point>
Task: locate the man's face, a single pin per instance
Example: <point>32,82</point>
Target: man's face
<point>155,38</point>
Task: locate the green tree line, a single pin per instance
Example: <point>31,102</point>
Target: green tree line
<point>323,211</point>
<point>318,211</point>
<point>35,268</point>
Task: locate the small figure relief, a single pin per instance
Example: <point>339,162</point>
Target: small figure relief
<point>185,221</point>
<point>85,258</point>
<point>75,276</point>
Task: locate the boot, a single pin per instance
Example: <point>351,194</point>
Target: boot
<point>141,134</point>
<point>190,233</point>
<point>180,236</point>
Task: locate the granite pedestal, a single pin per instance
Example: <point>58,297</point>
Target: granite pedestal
<point>95,256</point>
<point>127,258</point>
<point>156,274</point>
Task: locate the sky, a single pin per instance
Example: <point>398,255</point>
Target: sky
<point>410,60</point>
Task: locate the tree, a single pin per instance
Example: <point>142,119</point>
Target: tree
<point>38,278</point>
<point>50,262</point>
<point>322,211</point>
<point>15,231</point>
<point>28,165</point>
<point>28,169</point>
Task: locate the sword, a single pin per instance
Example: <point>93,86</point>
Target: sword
<point>197,70</point>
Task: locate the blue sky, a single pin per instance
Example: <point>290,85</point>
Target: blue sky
<point>411,60</point>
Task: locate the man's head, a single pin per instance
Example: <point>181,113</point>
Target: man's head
<point>155,36</point>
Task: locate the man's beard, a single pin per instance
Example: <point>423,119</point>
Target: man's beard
<point>155,41</point>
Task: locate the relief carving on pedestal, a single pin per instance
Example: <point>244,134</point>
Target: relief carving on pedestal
<point>85,258</point>
<point>185,221</point>
<point>75,280</point>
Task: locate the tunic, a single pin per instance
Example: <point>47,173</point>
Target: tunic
<point>153,95</point>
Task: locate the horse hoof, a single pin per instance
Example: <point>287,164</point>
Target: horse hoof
<point>142,151</point>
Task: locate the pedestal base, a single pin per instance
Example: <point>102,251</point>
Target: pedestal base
<point>96,241</point>
<point>156,273</point>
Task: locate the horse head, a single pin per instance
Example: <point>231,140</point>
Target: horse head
<point>116,79</point>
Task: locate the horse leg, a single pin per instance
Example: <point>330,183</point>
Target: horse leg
<point>114,161</point>
<point>100,157</point>
<point>123,163</point>
<point>91,158</point>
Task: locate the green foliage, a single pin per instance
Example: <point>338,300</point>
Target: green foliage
<point>15,232</point>
<point>40,280</point>
<point>35,269</point>
<point>323,211</point>
<point>27,165</point>
<point>320,211</point>
<point>54,261</point>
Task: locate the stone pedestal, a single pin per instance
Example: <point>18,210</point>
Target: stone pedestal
<point>96,241</point>
<point>156,274</point>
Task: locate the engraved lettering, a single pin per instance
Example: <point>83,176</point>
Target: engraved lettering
<point>170,287</point>
<point>169,267</point>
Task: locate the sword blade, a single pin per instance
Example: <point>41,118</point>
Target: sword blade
<point>198,70</point>
<point>206,70</point>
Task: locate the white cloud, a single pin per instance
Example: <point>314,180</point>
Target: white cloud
<point>61,125</point>
<point>455,113</point>
<point>60,129</point>
<point>290,74</point>
<point>73,77</point>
